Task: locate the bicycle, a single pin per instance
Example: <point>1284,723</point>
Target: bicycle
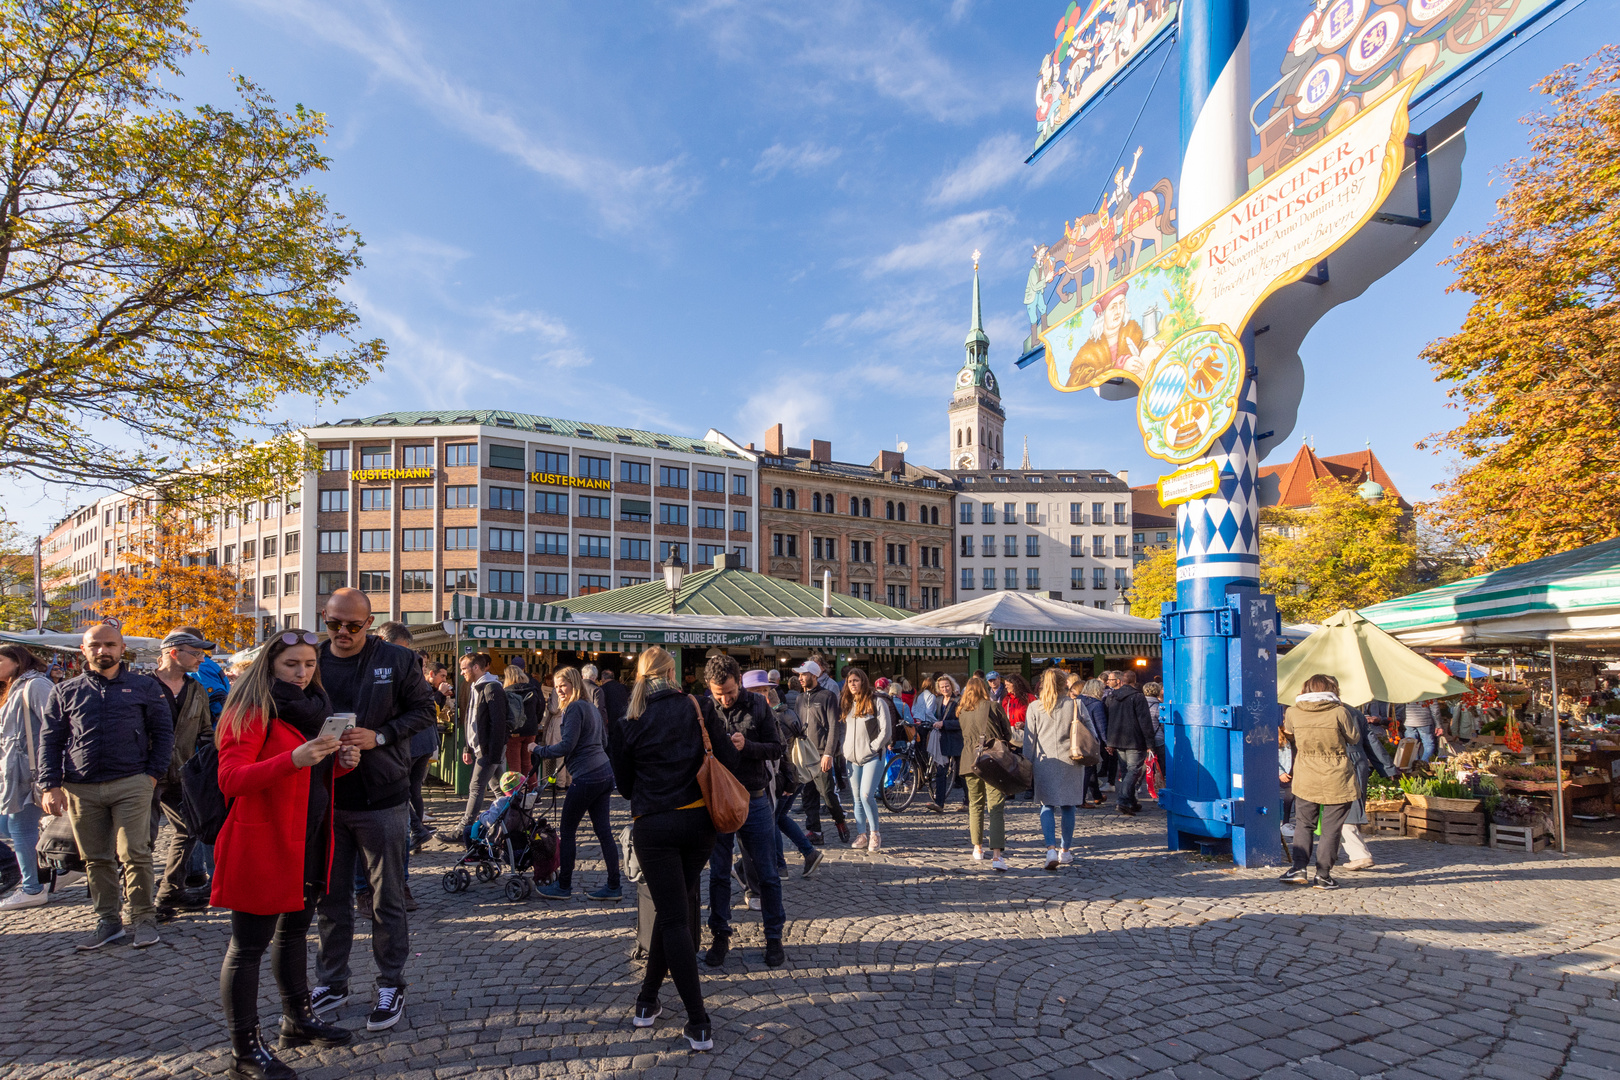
<point>900,777</point>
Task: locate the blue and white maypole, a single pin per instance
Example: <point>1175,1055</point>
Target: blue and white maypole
<point>1220,635</point>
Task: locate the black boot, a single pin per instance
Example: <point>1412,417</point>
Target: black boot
<point>300,1026</point>
<point>252,1060</point>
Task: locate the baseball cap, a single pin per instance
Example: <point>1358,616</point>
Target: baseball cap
<point>179,638</point>
<point>755,678</point>
<point>810,667</point>
<point>774,677</point>
<point>882,683</point>
<point>993,677</point>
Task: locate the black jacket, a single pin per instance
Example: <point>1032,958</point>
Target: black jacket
<point>750,716</point>
<point>656,755</point>
<point>1130,723</point>
<point>789,729</point>
<point>487,705</point>
<point>99,729</point>
<point>950,733</point>
<point>818,711</point>
<point>615,700</point>
<point>395,702</point>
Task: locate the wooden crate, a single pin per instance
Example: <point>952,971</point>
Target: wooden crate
<point>1446,826</point>
<point>1384,821</point>
<point>1526,838</point>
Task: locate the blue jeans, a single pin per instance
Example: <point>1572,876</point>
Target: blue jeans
<point>22,829</point>
<point>1133,762</point>
<point>1424,735</point>
<point>1049,830</point>
<point>786,826</point>
<point>756,836</point>
<point>863,785</point>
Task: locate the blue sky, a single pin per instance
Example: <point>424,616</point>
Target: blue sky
<point>731,214</point>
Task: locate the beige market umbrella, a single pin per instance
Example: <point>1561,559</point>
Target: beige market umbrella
<point>1369,664</point>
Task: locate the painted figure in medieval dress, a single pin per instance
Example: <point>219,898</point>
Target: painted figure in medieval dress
<point>1040,275</point>
<point>1118,343</point>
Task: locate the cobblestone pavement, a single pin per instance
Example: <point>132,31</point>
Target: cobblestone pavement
<point>1446,962</point>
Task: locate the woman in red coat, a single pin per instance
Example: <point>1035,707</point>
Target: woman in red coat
<point>273,855</point>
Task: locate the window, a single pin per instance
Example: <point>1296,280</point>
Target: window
<point>1097,551</point>
<point>272,509</point>
<point>1009,513</point>
<point>330,581</point>
<point>293,503</point>
<point>671,477</point>
<point>1032,577</point>
<point>792,499</point>
<point>595,547</point>
<point>1077,577</point>
<point>1101,605</point>
<point>374,581</point>
<point>290,544</point>
<point>1009,546</point>
<point>1077,514</point>
<point>267,626</point>
<point>288,622</point>
<point>594,583</point>
<point>1099,577</point>
<point>372,539</point>
<point>933,558</point>
<point>331,461</point>
<point>416,498</point>
<point>551,584</point>
<point>860,550</point>
<point>888,509</point>
<point>1032,513</point>
<point>708,553</point>
<point>332,541</point>
<point>376,457</point>
<point>250,512</point>
<point>267,585</point>
<point>671,514</point>
<point>634,510</point>
<point>332,501</point>
<point>230,550</point>
<point>897,596</point>
<point>739,485</point>
<point>711,481</point>
<point>988,514</point>
<point>376,498</point>
<point>989,578</point>
<point>896,554</point>
<point>776,498</point>
<point>666,547</point>
<point>458,454</point>
<point>866,508</point>
<point>1032,547</point>
<point>550,543</point>
<point>1119,547</point>
<point>593,506</point>
<point>933,515</point>
<point>824,547</point>
<point>551,502</point>
<point>1138,538</point>
<point>230,515</point>
<point>595,468</point>
<point>634,472</point>
<point>626,582</point>
<point>506,539</point>
<point>504,581</point>
<point>551,464</point>
<point>967,578</point>
<point>1010,579</point>
<point>1077,546</point>
<point>854,507</point>
<point>461,497</point>
<point>739,521</point>
<point>710,517</point>
<point>989,547</point>
<point>967,547</point>
<point>1122,578</point>
<point>269,544</point>
<point>785,545</point>
<point>1161,538</point>
<point>506,457</point>
<point>1119,514</point>
<point>815,502</point>
<point>505,498</point>
<point>415,581</point>
<point>900,509</point>
<point>461,580</point>
<point>635,550</point>
<point>460,539</point>
<point>416,457</point>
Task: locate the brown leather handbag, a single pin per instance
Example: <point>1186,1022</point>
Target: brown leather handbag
<point>723,793</point>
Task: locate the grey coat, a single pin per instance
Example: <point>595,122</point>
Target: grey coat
<point>1058,781</point>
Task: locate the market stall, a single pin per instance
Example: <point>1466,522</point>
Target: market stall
<point>1019,628</point>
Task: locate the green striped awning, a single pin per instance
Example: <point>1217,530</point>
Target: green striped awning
<point>464,607</point>
<point>1133,643</point>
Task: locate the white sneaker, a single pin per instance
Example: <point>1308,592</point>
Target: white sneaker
<point>753,903</point>
<point>1051,858</point>
<point>978,854</point>
<point>998,864</point>
<point>66,878</point>
<point>1065,857</point>
<point>874,843</point>
<point>20,899</point>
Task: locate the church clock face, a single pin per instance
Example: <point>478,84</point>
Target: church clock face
<point>965,461</point>
<point>989,382</point>
<point>964,378</point>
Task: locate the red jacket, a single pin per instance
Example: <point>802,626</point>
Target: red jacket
<point>259,856</point>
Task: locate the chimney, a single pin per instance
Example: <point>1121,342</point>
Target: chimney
<point>1125,475</point>
<point>775,441</point>
<point>750,446</point>
<point>820,450</point>
<point>891,461</point>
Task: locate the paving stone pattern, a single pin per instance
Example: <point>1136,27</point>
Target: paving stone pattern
<point>1444,962</point>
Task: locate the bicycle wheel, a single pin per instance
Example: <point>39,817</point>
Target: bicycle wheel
<point>900,785</point>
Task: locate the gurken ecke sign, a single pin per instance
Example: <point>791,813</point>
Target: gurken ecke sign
<point>1173,327</point>
<point>602,636</point>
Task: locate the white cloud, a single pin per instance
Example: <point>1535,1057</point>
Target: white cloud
<point>622,194</point>
<point>801,409</point>
<point>945,243</point>
<point>998,159</point>
<point>801,158</point>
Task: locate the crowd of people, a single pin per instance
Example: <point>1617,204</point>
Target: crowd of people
<point>322,748</point>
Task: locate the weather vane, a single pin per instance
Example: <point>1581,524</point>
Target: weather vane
<point>975,258</point>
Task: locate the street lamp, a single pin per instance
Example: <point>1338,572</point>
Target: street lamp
<point>674,570</point>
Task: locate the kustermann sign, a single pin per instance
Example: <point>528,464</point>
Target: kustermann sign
<point>558,480</point>
<point>363,475</point>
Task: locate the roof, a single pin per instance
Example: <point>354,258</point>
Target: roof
<point>728,592</point>
<point>1295,479</point>
<point>1572,596</point>
<point>537,426</point>
<point>1146,511</point>
<point>1369,664</point>
<point>999,480</point>
<point>1024,618</point>
<point>799,461</point>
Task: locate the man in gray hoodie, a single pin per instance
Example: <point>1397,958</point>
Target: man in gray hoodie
<point>487,716</point>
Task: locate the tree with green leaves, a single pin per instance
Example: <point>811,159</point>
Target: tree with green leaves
<point>166,274</point>
<point>17,586</point>
<point>1343,551</point>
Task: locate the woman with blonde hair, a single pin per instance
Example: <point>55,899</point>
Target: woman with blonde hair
<point>945,742</point>
<point>869,722</point>
<point>583,748</point>
<point>272,859</point>
<point>1060,784</point>
<point>981,720</point>
<point>656,751</point>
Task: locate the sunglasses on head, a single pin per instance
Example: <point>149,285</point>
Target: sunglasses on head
<point>294,637</point>
<point>352,627</point>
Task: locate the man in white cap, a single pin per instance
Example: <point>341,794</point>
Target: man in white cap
<point>818,712</point>
<point>182,653</point>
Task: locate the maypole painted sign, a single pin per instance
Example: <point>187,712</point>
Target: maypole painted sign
<point>1093,44</point>
<point>1173,328</point>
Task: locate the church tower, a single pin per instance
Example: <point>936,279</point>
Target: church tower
<point>975,414</point>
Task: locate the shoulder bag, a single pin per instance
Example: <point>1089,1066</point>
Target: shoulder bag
<point>1002,767</point>
<point>36,794</point>
<point>1083,748</point>
<point>725,797</point>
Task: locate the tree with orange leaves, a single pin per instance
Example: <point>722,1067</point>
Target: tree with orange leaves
<point>167,583</point>
<point>1535,367</point>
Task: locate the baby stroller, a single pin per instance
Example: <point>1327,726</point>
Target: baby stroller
<point>510,835</point>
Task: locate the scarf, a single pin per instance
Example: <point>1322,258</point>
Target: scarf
<point>304,709</point>
<point>1325,695</point>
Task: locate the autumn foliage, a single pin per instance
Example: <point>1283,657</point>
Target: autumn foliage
<point>1153,581</point>
<point>1341,552</point>
<point>1535,367</point>
<point>165,584</point>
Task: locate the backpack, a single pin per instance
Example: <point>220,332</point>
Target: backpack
<point>545,851</point>
<point>202,804</point>
<point>521,720</point>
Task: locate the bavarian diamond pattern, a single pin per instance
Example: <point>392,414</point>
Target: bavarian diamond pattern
<point>1228,521</point>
